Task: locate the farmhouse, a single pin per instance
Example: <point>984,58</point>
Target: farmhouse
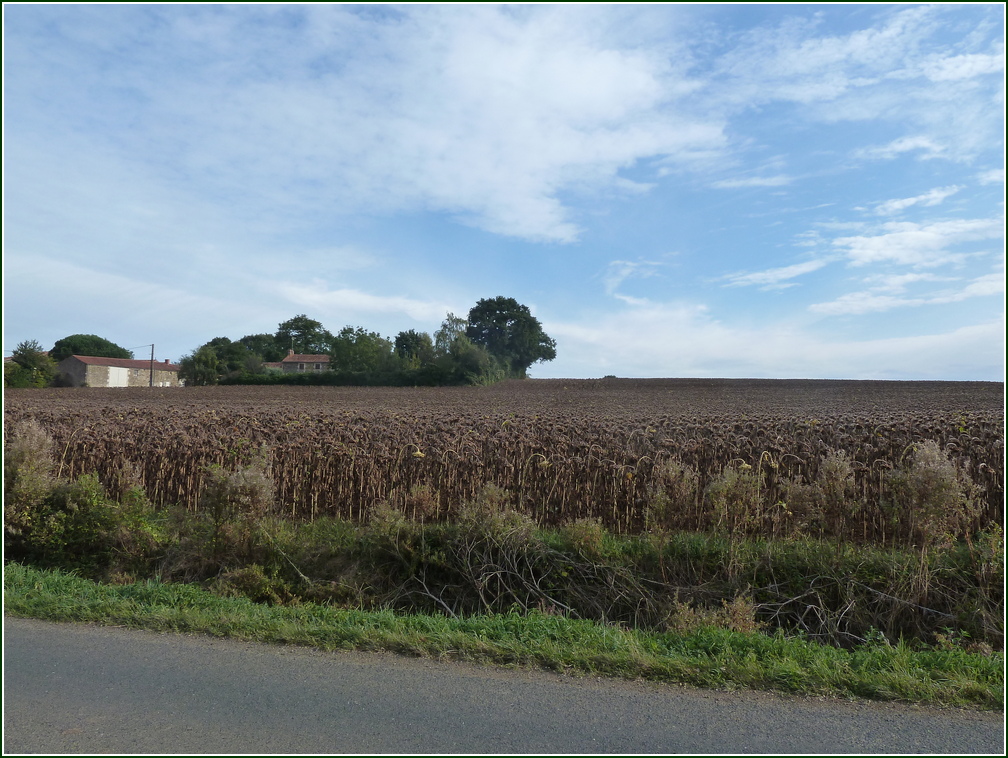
<point>91,371</point>
<point>296,363</point>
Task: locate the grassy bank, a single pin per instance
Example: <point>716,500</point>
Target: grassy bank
<point>706,657</point>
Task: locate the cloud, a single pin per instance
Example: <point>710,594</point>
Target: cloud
<point>927,145</point>
<point>684,340</point>
<point>755,181</point>
<point>993,176</point>
<point>619,271</point>
<point>918,244</point>
<point>895,283</point>
<point>774,278</point>
<point>175,319</point>
<point>484,113</point>
<point>928,199</point>
<point>958,67</point>
<point>875,301</point>
<point>350,303</point>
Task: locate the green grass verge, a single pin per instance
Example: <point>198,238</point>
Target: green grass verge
<point>708,657</point>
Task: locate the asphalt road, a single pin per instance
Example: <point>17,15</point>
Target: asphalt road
<point>72,688</point>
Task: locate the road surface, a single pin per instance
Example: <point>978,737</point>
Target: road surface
<point>77,688</point>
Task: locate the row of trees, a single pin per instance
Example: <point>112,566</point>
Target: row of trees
<point>499,339</point>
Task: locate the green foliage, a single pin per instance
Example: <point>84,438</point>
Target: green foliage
<point>87,344</point>
<point>233,357</point>
<point>265,346</point>
<point>27,480</point>
<point>303,335</point>
<point>414,348</point>
<point>510,332</point>
<point>30,367</point>
<point>357,350</point>
<point>361,357</point>
<point>452,329</point>
<point>701,656</point>
<point>201,368</point>
<point>236,502</point>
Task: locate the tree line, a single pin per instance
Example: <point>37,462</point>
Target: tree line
<point>499,339</point>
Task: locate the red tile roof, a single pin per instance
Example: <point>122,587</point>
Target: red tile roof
<point>92,360</point>
<point>295,358</point>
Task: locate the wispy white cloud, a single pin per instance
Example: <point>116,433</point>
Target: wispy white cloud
<point>349,304</point>
<point>619,271</point>
<point>993,176</point>
<point>958,67</point>
<point>928,199</point>
<point>929,148</point>
<point>774,278</point>
<point>779,180</point>
<point>919,244</point>
<point>877,300</point>
<point>896,283</point>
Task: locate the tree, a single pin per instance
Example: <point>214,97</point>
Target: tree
<point>414,348</point>
<point>355,349</point>
<point>30,366</point>
<point>510,333</point>
<point>87,344</point>
<point>232,357</point>
<point>452,328</point>
<point>304,336</point>
<point>200,368</point>
<point>265,346</point>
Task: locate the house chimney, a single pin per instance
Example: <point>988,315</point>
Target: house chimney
<point>166,360</point>
<point>290,352</point>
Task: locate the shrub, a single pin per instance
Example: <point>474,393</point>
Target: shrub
<point>826,501</point>
<point>931,496</point>
<point>673,494</point>
<point>586,536</point>
<point>236,503</point>
<point>491,514</point>
<point>74,525</point>
<point>27,481</point>
<point>736,615</point>
<point>736,499</point>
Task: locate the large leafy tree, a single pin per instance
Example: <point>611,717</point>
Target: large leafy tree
<point>509,332</point>
<point>87,344</point>
<point>304,336</point>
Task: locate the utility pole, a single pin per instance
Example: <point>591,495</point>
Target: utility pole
<point>151,365</point>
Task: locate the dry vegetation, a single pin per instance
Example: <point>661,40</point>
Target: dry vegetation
<point>887,463</point>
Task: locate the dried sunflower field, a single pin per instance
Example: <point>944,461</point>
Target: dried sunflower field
<point>867,461</point>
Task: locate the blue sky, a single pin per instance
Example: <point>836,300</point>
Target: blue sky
<point>793,191</point>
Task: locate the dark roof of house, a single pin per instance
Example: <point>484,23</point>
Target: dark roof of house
<point>92,360</point>
<point>296,358</point>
